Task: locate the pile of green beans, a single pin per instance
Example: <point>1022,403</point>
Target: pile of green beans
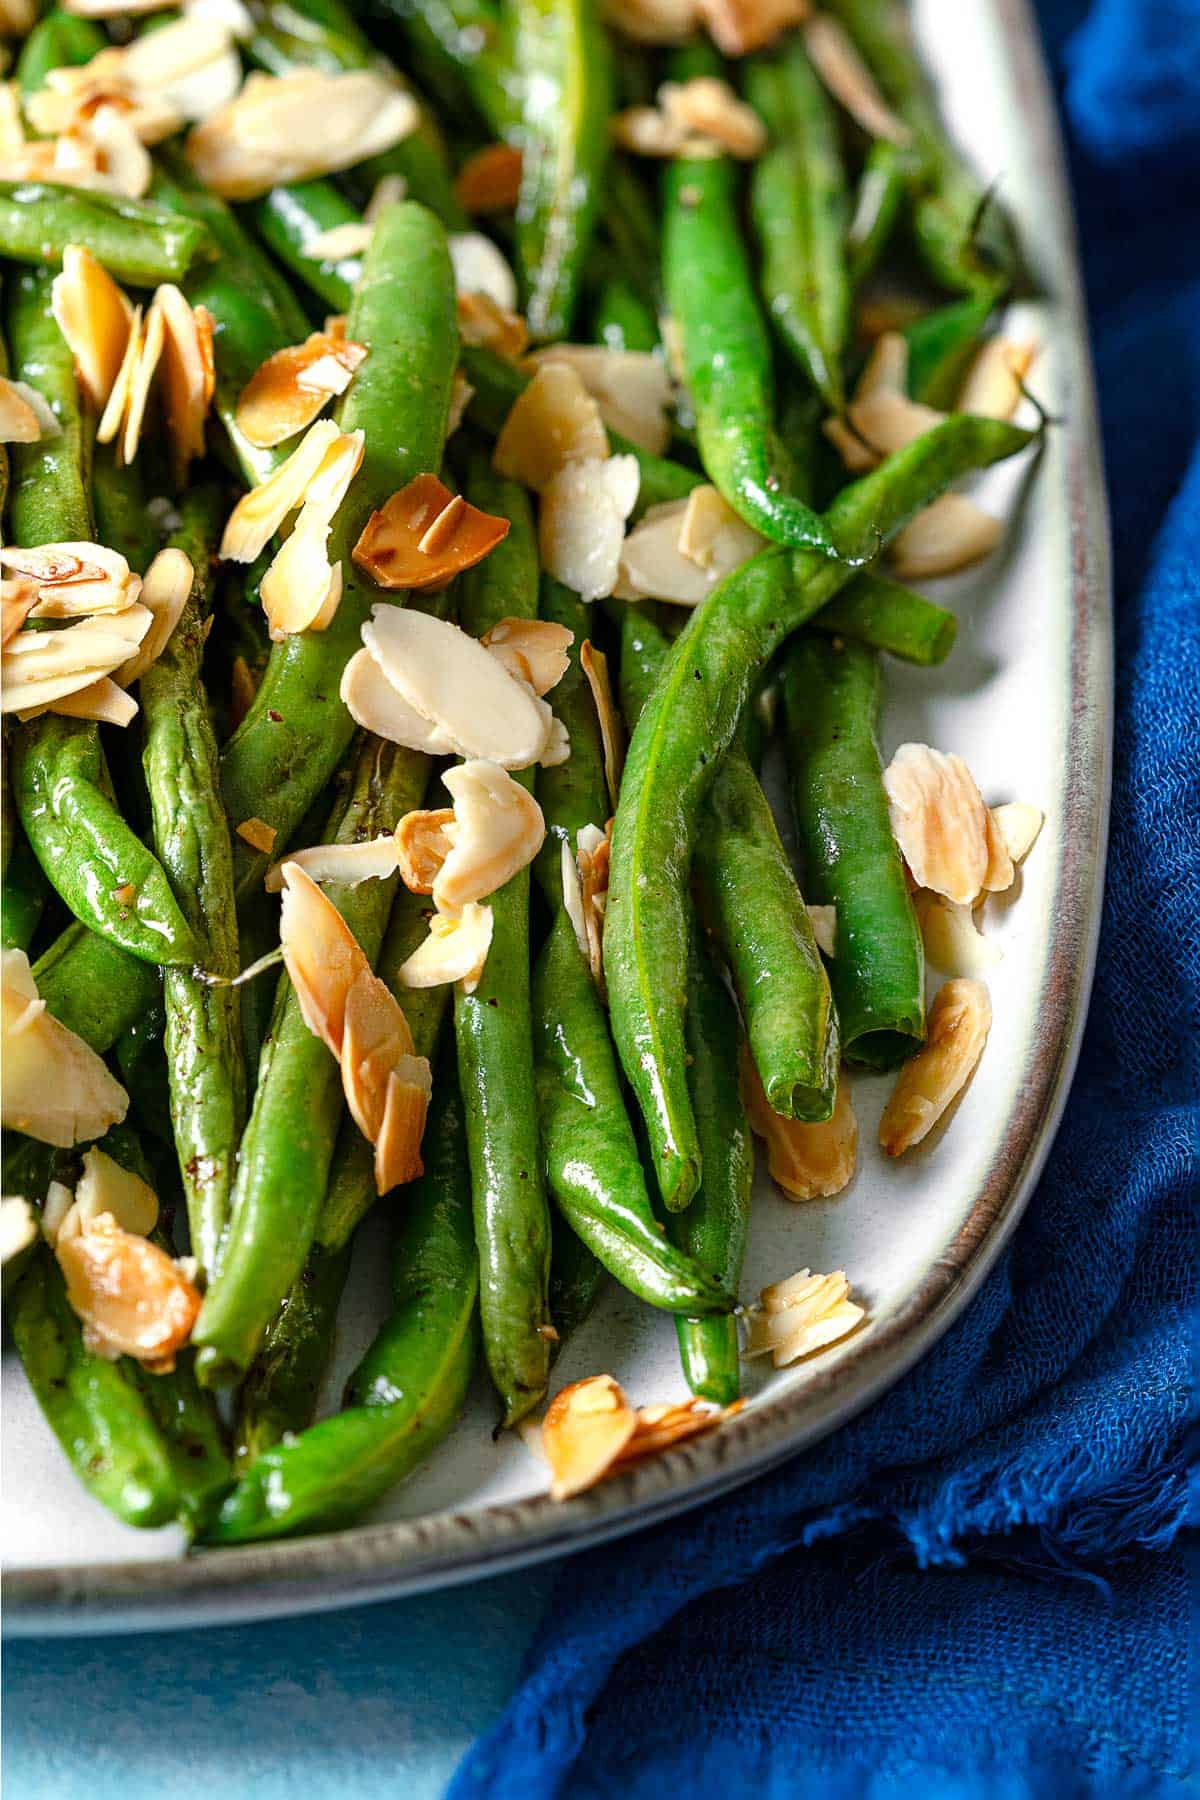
<point>586,1124</point>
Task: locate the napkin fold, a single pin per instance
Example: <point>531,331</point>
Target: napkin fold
<point>977,1587</point>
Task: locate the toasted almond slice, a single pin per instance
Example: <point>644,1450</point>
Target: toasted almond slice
<point>631,387</point>
<point>21,422</point>
<point>939,821</point>
<point>1018,824</point>
<point>455,950</point>
<point>953,942</point>
<point>594,664</point>
<point>820,1316</point>
<point>123,156</point>
<point>1000,871</point>
<point>286,394</point>
<point>658,1428</point>
<point>18,597</point>
<point>150,348</point>
<point>651,565</point>
<point>956,1032</point>
<point>343,865</point>
<point>375,1037</point>
<point>499,830</point>
<point>321,954</point>
<point>587,1425</point>
<point>457,685</point>
<point>833,55</point>
<point>398,1146</point>
<point>18,1227</point>
<point>572,892</point>
<point>581,524</point>
<point>288,128</point>
<point>484,325</point>
<point>490,180</point>
<point>553,423</point>
<point>645,131</point>
<point>41,666</point>
<point>53,1086</point>
<point>461,396</point>
<point>809,1162</point>
<point>105,1187</point>
<point>59,1202</point>
<point>301,590</point>
<point>95,318</point>
<point>389,190</point>
<point>423,841</point>
<point>424,535</point>
<point>949,535</point>
<point>653,21</point>
<point>708,107</point>
<point>132,1298</point>
<point>260,836</point>
<point>259,514</point>
<point>373,703</point>
<point>73,579</point>
<point>823,920</point>
<point>186,377</point>
<point>739,26</point>
<point>101,700</point>
<point>190,64</point>
<point>341,243</point>
<point>117,404</point>
<point>480,267</point>
<point>886,369</point>
<point>534,650</point>
<point>164,594</point>
<point>888,421</point>
<point>992,388</point>
<point>593,854</point>
<point>712,535</point>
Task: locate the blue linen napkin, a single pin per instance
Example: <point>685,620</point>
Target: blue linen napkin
<point>977,1587</point>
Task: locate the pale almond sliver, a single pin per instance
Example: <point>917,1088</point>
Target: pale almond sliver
<point>55,1087</point>
<point>259,514</point>
<point>406,1105</point>
<point>455,950</point>
<point>498,830</point>
<point>480,267</point>
<point>95,318</point>
<point>375,1035</point>
<point>1018,824</point>
<point>849,80</point>
<point>631,387</point>
<point>808,1161</point>
<point>342,865</point>
<point>947,536</point>
<point>321,954</point>
<point>105,1187</point>
<point>42,666</point>
<point>102,701</point>
<point>939,821</point>
<point>534,650</point>
<point>554,422</point>
<point>150,349</point>
<point>581,522</point>
<point>165,591</point>
<point>956,1032</point>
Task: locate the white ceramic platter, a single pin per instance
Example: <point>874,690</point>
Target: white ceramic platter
<point>1025,697</point>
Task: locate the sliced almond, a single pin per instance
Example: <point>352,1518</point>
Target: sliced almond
<point>956,1032</point>
<point>95,318</point>
<point>72,580</point>
<point>117,404</point>
<point>150,341</point>
<point>24,414</point>
<point>373,703</point>
<point>101,700</point>
<point>712,535</point>
<point>631,387</point>
<point>709,108</point>
<point>190,64</point>
<point>652,566</point>
<point>593,855</point>
<point>340,243</point>
<point>480,267</point>
<point>484,325</point>
<point>455,950</point>
<point>398,1146</point>
<point>292,387</point>
<point>165,592</point>
<point>42,666</point>
<point>455,684</point>
<point>572,893</point>
<point>259,514</point>
<point>375,1036</point>
<point>57,1208</point>
<point>939,821</point>
<point>52,1086</point>
<point>1000,872</point>
<point>259,835</point>
<point>424,535</point>
<point>653,21</point>
<point>1018,825</point>
<point>553,423</point>
<point>581,523</point>
<point>18,1227</point>
<point>594,664</point>
<point>809,1162</point>
<point>123,157</point>
<point>534,650</point>
<point>843,71</point>
<point>302,588</point>
<point>739,26</point>
<point>105,1187</point>
<point>423,841</point>
<point>490,180</point>
<point>800,1315</point>
<point>949,535</point>
<point>186,372</point>
<point>461,396</point>
<point>340,865</point>
<point>321,954</point>
<point>645,131</point>
<point>132,1298</point>
<point>586,1427</point>
<point>823,920</point>
<point>659,1427</point>
<point>285,128</point>
<point>992,388</point>
<point>953,942</point>
<point>498,830</point>
<point>18,597</point>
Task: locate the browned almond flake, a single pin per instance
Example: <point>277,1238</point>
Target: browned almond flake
<point>534,650</point>
<point>808,1161</point>
<point>258,834</point>
<point>956,1032</point>
<point>125,895</point>
<point>243,688</point>
<point>708,108</point>
<point>658,1428</point>
<point>292,387</point>
<point>739,26</point>
<point>422,846</point>
<point>484,324</point>
<point>848,79</point>
<point>132,1298</point>
<point>322,956</point>
<point>490,181</point>
<point>594,664</point>
<point>392,546</point>
<point>375,1036</point>
<point>939,821</point>
<point>18,598</point>
<point>586,1427</point>
<point>398,1146</point>
<point>593,856</point>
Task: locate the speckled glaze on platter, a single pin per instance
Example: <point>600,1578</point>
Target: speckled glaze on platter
<point>1025,697</point>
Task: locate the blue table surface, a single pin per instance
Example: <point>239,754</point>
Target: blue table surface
<point>377,1701</point>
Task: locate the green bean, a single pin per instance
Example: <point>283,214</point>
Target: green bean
<point>123,521</point>
<point>295,733</point>
<point>142,1063</point>
<point>941,345</point>
<point>190,1428</point>
<point>495,1043</point>
<point>289,219</point>
<point>280,1392</point>
<point>92,987</point>
<point>59,40</point>
<point>592,1162</point>
<point>714,1228</point>
<point>49,498</point>
<point>622,320</point>
<point>497,384</point>
<point>411,1385</point>
<point>135,240</point>
<point>23,889</point>
<point>573,793</point>
<point>577,1279</point>
<point>831,697</point>
<point>191,835</point>
<point>726,350</point>
<point>877,206</point>
<point>283,1164</point>
<point>799,204</point>
<point>566,91</point>
<point>688,723</point>
<point>881,613</point>
<point>462,40</point>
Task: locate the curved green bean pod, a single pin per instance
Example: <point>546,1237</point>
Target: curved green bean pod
<point>49,494</point>
<point>622,320</point>
<point>462,42</point>
<point>23,889</point>
<point>798,202</point>
<point>135,240</point>
<point>689,721</point>
<point>714,1228</point>
<point>495,1040</point>
<point>577,1278</point>
<point>297,729</point>
<point>566,90</point>
<point>191,835</point>
<point>881,189</point>
<point>887,616</point>
<point>410,1387</point>
<point>831,701</point>
<point>290,219</point>
<point>941,345</point>
<point>93,988</point>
